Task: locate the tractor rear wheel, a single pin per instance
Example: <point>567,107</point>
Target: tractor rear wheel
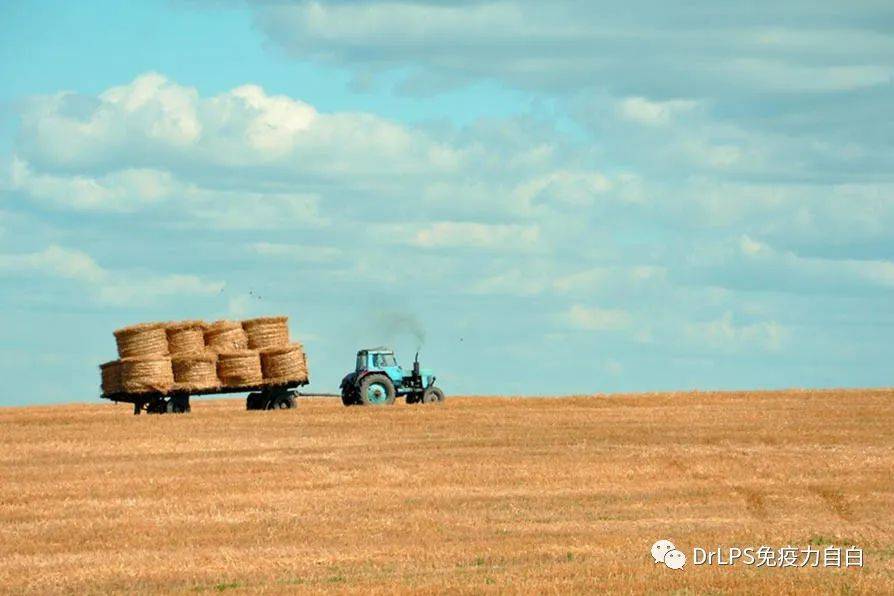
<point>347,397</point>
<point>433,395</point>
<point>376,390</point>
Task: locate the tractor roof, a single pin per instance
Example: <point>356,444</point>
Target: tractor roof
<point>379,350</point>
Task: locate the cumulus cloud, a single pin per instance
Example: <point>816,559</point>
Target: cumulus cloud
<point>123,190</point>
<point>153,122</point>
<point>108,287</point>
<point>454,234</point>
<point>652,113</point>
<point>568,45</point>
<point>750,264</point>
<point>726,335</point>
<point>597,319</point>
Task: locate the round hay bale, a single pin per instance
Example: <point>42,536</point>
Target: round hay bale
<point>226,336</point>
<point>145,339</point>
<point>196,371</point>
<point>239,368</point>
<point>111,377</point>
<point>147,374</point>
<point>281,365</point>
<point>185,337</point>
<point>267,332</point>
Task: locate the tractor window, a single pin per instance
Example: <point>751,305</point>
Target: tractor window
<point>383,360</point>
<point>361,361</point>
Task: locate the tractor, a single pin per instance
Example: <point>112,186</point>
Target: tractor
<point>378,379</point>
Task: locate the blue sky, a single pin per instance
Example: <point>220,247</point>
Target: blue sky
<point>565,197</point>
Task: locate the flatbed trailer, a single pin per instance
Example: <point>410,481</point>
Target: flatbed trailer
<point>264,396</point>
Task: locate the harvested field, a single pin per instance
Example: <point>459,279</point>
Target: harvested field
<point>480,494</point>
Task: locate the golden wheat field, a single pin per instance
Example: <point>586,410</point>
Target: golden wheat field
<point>478,495</point>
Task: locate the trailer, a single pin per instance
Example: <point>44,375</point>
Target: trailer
<point>265,396</point>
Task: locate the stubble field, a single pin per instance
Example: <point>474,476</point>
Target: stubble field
<point>480,494</point>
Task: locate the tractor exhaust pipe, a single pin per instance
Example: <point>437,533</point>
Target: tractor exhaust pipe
<point>416,372</point>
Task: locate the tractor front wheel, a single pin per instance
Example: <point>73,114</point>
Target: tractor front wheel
<point>376,390</point>
<point>433,395</point>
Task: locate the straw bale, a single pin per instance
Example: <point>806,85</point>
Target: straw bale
<point>147,374</point>
<point>267,332</point>
<point>195,371</point>
<point>239,368</point>
<point>281,365</point>
<point>145,339</point>
<point>185,337</point>
<point>111,377</point>
<point>226,336</point>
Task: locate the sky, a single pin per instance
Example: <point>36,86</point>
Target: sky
<point>543,198</point>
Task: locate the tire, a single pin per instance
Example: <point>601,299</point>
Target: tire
<point>253,402</point>
<point>376,390</point>
<point>283,402</point>
<point>179,404</point>
<point>433,395</point>
<point>347,397</point>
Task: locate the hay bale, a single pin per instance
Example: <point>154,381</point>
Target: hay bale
<point>195,371</point>
<point>267,332</point>
<point>147,374</point>
<point>239,368</point>
<point>282,365</point>
<point>225,336</point>
<point>145,339</point>
<point>111,377</point>
<point>185,337</point>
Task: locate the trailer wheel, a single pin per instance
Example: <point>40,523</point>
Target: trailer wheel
<point>179,404</point>
<point>376,390</point>
<point>433,395</point>
<point>282,402</point>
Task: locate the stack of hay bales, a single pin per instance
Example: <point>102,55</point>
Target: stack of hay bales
<point>196,356</point>
<point>145,364</point>
<point>195,371</point>
<point>185,337</point>
<point>284,364</point>
<point>194,366</point>
<point>239,368</point>
<point>225,336</point>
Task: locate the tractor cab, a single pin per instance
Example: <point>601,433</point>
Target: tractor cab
<point>378,378</point>
<point>381,360</point>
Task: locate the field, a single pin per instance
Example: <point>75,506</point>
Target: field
<point>480,494</point>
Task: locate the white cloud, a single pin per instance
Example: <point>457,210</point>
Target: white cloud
<point>298,252</point>
<point>56,261</point>
<point>512,282</point>
<point>572,188</point>
<point>124,190</point>
<point>724,334</point>
<point>653,113</point>
<point>597,319</point>
<point>452,234</point>
<point>156,123</point>
<point>595,279</point>
<point>108,287</point>
<point>813,270</point>
<point>566,46</point>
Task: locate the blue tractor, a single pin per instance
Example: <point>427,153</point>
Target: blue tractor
<point>378,379</point>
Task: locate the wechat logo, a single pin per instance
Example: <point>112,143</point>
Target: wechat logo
<point>665,552</point>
